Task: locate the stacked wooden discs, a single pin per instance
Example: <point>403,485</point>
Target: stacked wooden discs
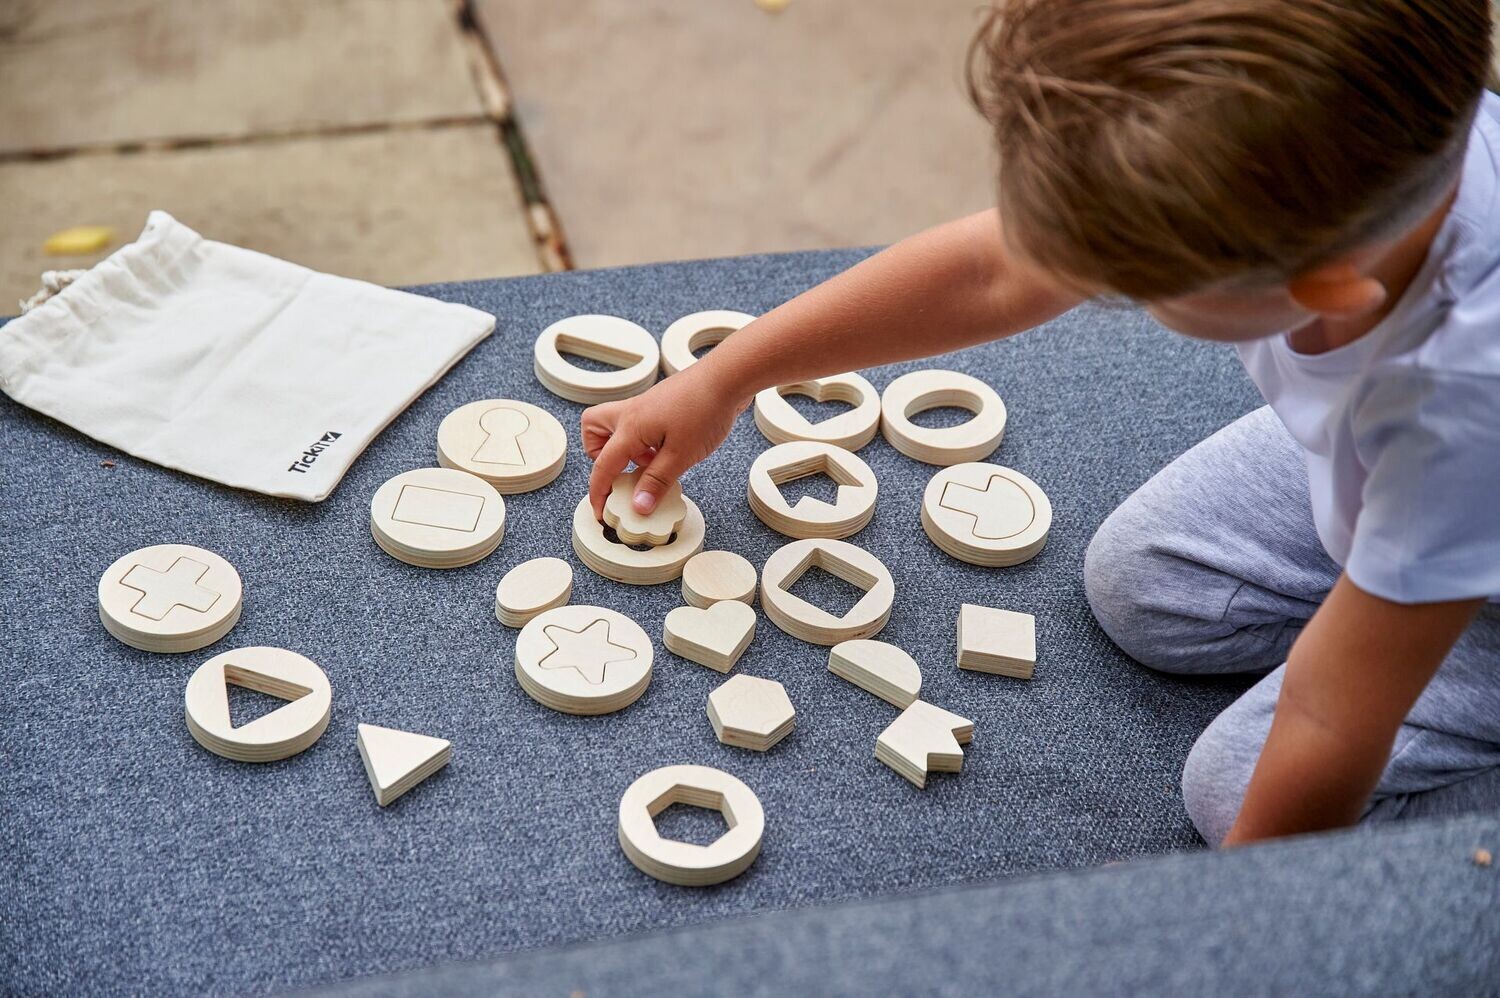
<point>583,660</point>
<point>986,514</point>
<point>628,565</point>
<point>811,517</point>
<point>711,577</point>
<point>606,339</point>
<point>692,333</point>
<point>934,389</point>
<point>275,671</point>
<point>515,446</point>
<point>532,587</point>
<point>169,598</point>
<point>684,863</point>
<point>800,618</point>
<point>437,518</point>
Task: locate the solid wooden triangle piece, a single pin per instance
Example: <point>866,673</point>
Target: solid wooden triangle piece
<point>396,760</point>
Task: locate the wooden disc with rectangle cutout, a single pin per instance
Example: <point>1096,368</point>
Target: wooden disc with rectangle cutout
<point>811,517</point>
<point>515,446</point>
<point>936,389</point>
<point>607,339</point>
<point>437,518</point>
<point>621,563</point>
<point>986,514</point>
<point>692,333</point>
<point>583,660</point>
<point>169,598</point>
<point>801,619</point>
<point>685,863</point>
<point>851,430</point>
<point>274,671</point>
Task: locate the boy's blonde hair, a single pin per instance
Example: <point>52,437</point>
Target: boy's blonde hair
<point>1158,147</point>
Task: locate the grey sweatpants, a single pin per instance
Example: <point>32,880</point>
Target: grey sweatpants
<point>1214,566</point>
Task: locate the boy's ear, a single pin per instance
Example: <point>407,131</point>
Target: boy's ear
<point>1337,289</point>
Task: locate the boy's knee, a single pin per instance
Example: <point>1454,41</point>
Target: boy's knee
<point>1118,570</point>
<point>1218,768</point>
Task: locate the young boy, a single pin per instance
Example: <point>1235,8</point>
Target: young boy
<point>1314,181</point>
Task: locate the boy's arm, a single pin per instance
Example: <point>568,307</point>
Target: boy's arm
<point>1350,680</point>
<point>949,287</point>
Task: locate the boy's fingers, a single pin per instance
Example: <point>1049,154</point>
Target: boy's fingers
<point>611,461</point>
<point>596,427</point>
<point>656,478</point>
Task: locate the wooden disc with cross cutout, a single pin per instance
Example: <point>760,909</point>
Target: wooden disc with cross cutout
<point>169,598</point>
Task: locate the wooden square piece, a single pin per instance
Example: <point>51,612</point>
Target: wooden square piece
<point>1001,642</point>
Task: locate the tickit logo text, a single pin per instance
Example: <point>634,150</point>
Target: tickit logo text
<point>304,463</point>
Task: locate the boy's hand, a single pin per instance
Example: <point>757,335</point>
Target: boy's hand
<point>666,431</point>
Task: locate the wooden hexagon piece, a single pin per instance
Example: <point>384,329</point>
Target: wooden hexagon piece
<point>750,712</point>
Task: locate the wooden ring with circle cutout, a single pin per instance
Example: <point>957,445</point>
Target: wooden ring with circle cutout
<point>625,564</point>
<point>780,423</point>
<point>684,863</point>
<point>813,624</point>
<point>986,514</point>
<point>811,517</point>
<point>607,339</point>
<point>934,389</point>
<point>692,333</point>
<point>285,731</point>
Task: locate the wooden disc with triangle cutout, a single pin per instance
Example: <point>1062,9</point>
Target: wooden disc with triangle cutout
<point>396,761</point>
<point>285,731</point>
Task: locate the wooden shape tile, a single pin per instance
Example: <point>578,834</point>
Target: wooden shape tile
<point>934,389</point>
<point>801,619</point>
<point>692,333</point>
<point>685,863</point>
<point>169,598</point>
<point>812,517</point>
<point>532,587</point>
<point>583,660</point>
<point>986,514</point>
<point>437,518</point>
<point>710,577</point>
<point>275,671</point>
<point>851,430</point>
<point>924,739</point>
<point>879,668</point>
<point>750,712</point>
<point>715,637</point>
<point>1002,642</point>
<point>515,446</point>
<point>606,339</point>
<point>621,563</point>
<point>395,761</point>
<point>654,528</point>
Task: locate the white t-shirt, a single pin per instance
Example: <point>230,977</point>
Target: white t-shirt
<point>1402,426</point>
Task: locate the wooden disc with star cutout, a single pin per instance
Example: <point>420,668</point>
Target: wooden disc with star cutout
<point>583,660</point>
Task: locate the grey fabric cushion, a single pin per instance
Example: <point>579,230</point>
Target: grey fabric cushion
<point>136,859</point>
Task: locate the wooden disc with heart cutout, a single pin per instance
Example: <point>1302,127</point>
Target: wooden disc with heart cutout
<point>851,430</point>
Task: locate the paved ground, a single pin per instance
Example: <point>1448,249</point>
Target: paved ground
<point>379,138</point>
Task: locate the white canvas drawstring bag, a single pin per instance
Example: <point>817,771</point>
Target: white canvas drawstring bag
<point>229,364</point>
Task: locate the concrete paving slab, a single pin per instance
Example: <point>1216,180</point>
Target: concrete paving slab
<point>87,72</point>
<point>402,207</point>
<point>665,129</point>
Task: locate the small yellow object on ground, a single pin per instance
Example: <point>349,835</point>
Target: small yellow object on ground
<point>772,6</point>
<point>79,240</point>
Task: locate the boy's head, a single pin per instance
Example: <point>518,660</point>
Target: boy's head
<point>1204,155</point>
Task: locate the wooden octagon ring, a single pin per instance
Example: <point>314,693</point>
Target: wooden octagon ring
<point>694,332</point>
<point>684,863</point>
<point>604,338</point>
<point>800,618</point>
<point>986,514</point>
<point>285,731</point>
<point>922,390</point>
<point>626,564</point>
<point>583,660</point>
<point>811,517</point>
<point>851,430</point>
